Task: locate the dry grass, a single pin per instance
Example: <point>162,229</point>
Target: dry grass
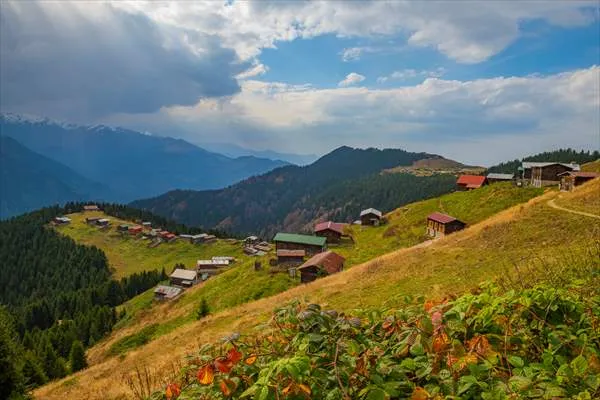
<point>503,244</point>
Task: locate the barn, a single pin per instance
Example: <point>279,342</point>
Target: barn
<point>370,217</point>
<point>470,182</point>
<point>291,241</point>
<point>183,277</point>
<point>332,231</point>
<point>321,264</point>
<point>540,174</point>
<point>439,225</point>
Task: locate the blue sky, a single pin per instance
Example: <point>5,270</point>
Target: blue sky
<point>464,79</point>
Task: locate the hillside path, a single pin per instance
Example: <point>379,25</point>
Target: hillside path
<point>552,204</point>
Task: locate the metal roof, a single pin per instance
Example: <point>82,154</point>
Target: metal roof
<point>441,218</point>
<point>186,274</point>
<point>530,164</point>
<point>168,291</point>
<point>332,226</point>
<point>328,260</point>
<point>472,181</point>
<point>581,174</point>
<point>300,239</point>
<point>371,211</point>
<point>507,177</point>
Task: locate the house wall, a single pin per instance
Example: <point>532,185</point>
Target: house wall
<point>310,249</point>
<point>332,236</point>
<point>370,220</point>
<point>308,274</point>
<point>546,176</point>
<point>289,260</point>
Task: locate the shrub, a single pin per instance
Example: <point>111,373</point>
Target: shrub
<point>203,309</point>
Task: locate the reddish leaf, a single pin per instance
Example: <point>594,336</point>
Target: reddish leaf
<point>227,387</point>
<point>206,375</point>
<point>223,365</point>
<point>173,391</point>
<point>234,355</point>
<point>251,360</point>
<point>440,342</point>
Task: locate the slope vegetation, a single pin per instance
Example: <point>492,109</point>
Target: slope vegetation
<point>522,243</point>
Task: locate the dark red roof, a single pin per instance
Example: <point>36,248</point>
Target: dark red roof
<point>471,181</point>
<point>331,226</point>
<point>328,260</point>
<point>441,218</point>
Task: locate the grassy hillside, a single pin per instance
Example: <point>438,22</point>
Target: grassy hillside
<point>593,166</point>
<point>521,244</point>
<point>128,255</point>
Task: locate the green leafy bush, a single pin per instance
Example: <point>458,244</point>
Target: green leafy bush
<point>542,342</point>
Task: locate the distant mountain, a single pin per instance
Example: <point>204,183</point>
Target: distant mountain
<point>561,155</point>
<point>233,150</point>
<point>29,181</point>
<point>131,163</point>
<point>337,186</point>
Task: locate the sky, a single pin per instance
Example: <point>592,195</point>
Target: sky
<point>479,82</point>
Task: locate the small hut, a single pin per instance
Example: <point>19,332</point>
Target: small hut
<point>163,292</point>
<point>332,231</point>
<point>322,264</point>
<point>439,225</point>
<point>570,179</point>
<point>470,182</point>
<point>183,277</point>
<point>370,217</point>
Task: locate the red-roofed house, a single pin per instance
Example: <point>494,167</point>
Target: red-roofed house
<point>439,224</point>
<point>134,230</point>
<point>321,264</point>
<point>470,182</point>
<point>333,231</point>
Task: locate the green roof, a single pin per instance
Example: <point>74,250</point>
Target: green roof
<point>300,239</point>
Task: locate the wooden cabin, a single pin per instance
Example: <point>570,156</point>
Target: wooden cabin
<point>147,225</point>
<point>134,230</point>
<point>439,225</point>
<point>291,241</point>
<point>332,231</point>
<point>470,182</point>
<point>62,220</point>
<point>370,217</point>
<point>540,174</point>
<point>290,257</point>
<point>103,222</point>
<point>92,220</point>
<point>495,178</point>
<point>251,240</point>
<point>183,277</point>
<point>163,292</point>
<point>570,179</point>
<point>91,207</point>
<point>123,228</point>
<point>321,264</point>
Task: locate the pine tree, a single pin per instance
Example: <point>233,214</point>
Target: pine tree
<point>33,370</point>
<point>11,376</point>
<point>77,358</point>
<point>203,310</point>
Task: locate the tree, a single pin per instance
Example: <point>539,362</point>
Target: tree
<point>203,310</point>
<point>33,370</point>
<point>77,357</point>
<point>11,376</point>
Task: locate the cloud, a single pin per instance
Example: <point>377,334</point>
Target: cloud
<point>411,74</point>
<point>468,32</point>
<point>255,70</point>
<point>351,79</point>
<point>87,60</point>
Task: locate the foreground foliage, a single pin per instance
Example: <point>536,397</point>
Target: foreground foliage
<point>541,342</point>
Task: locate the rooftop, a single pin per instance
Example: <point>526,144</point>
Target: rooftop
<point>186,274</point>
<point>500,176</point>
<point>371,211</point>
<point>530,164</point>
<point>300,239</point>
<point>328,260</point>
<point>581,174</point>
<point>168,291</point>
<point>441,218</point>
<point>471,181</point>
<point>332,226</point>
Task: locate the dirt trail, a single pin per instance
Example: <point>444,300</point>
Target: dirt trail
<point>552,204</point>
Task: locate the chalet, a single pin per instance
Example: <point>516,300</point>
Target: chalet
<point>439,225</point>
<point>62,220</point>
<point>103,222</point>
<point>92,220</point>
<point>210,267</point>
<point>470,182</point>
<point>147,225</point>
<point>91,207</point>
<point>136,229</point>
<point>123,228</point>
<point>494,177</point>
<point>199,238</point>
<point>322,264</point>
<point>163,292</point>
<point>209,238</point>
<point>370,217</point>
<point>183,277</point>
<point>251,240</point>
<point>540,174</point>
<point>291,241</point>
<point>570,179</point>
<point>332,231</point>
<point>290,257</point>
<point>229,259</point>
<point>169,237</point>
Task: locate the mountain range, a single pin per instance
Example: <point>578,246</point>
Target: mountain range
<point>336,186</point>
<point>131,164</point>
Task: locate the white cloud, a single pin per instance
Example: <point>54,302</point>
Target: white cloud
<point>352,53</point>
<point>255,70</point>
<point>411,74</point>
<point>468,32</point>
<point>481,121</point>
<point>351,79</point>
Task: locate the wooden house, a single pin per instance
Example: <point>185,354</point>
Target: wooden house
<point>123,228</point>
<point>92,220</point>
<point>570,179</point>
<point>370,217</point>
<point>170,237</point>
<point>321,264</point>
<point>495,178</point>
<point>199,238</point>
<point>291,241</point>
<point>147,225</point>
<point>103,222</point>
<point>470,182</point>
<point>332,231</point>
<point>134,230</point>
<point>249,250</point>
<point>183,277</point>
<point>210,267</point>
<point>439,225</point>
<point>163,292</point>
<point>208,238</point>
<point>263,246</point>
<point>290,257</point>
<point>539,174</point>
<point>251,240</point>
<point>91,207</point>
<point>62,220</point>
